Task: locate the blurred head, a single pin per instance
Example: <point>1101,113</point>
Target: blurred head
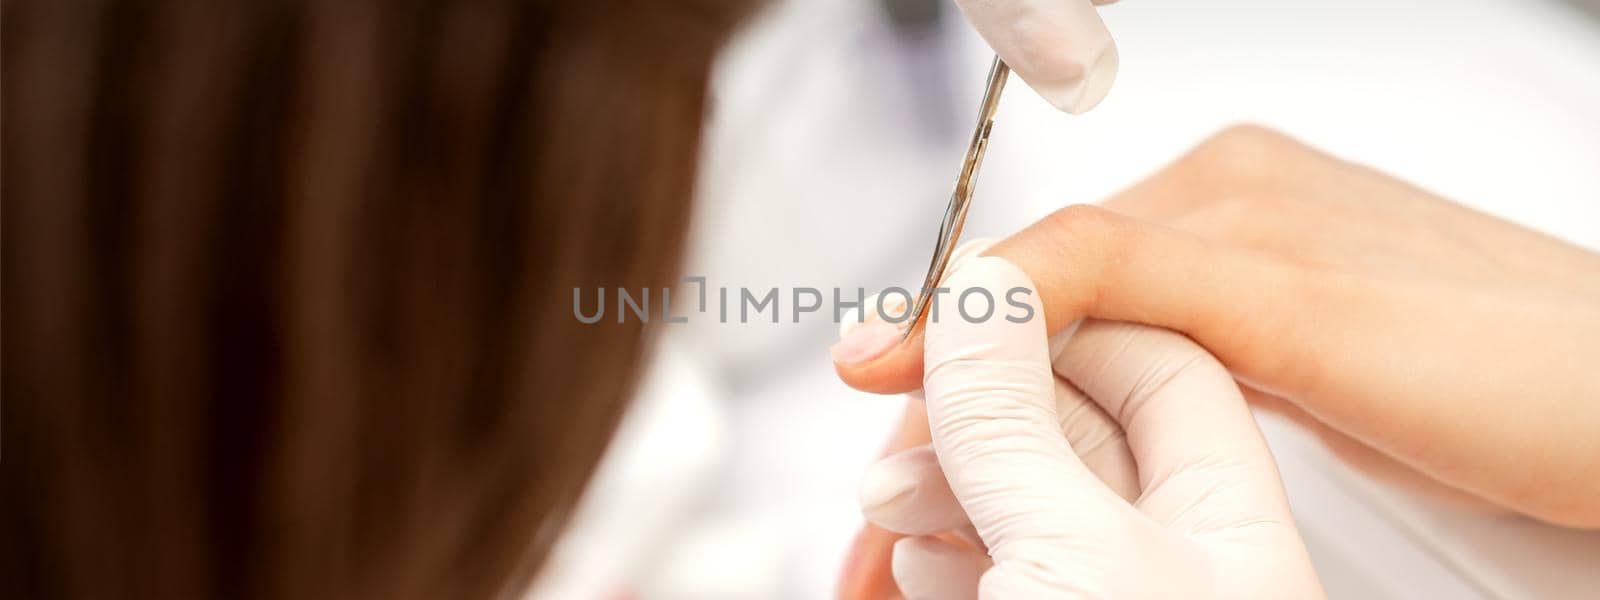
<point>287,292</point>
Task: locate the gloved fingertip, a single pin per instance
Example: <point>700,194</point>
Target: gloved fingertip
<point>906,492</point>
<point>1081,94</point>
<point>926,567</point>
<point>886,483</point>
<point>1020,579</point>
<point>1061,48</point>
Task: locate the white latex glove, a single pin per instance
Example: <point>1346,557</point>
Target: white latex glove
<point>1060,47</point>
<point>1211,520</point>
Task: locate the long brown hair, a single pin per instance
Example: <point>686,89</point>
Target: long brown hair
<point>287,284</point>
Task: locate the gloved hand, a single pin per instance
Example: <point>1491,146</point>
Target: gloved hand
<point>1211,519</point>
<point>1060,47</point>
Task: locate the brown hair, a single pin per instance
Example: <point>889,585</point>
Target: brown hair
<point>287,284</point>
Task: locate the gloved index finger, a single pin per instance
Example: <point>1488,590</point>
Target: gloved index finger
<point>1061,48</point>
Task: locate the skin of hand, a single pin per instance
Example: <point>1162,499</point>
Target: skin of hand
<point>866,573</point>
<point>1025,469</point>
<point>1061,48</point>
<point>1422,339</point>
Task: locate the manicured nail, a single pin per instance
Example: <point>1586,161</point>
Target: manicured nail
<point>865,343</point>
<point>856,316</point>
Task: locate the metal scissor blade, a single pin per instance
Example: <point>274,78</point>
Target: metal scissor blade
<point>955,215</point>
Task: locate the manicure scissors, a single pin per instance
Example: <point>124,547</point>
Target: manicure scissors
<point>955,215</point>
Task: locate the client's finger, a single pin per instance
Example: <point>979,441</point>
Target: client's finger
<point>867,337</point>
<point>1088,261</point>
<point>865,574</point>
<point>866,570</point>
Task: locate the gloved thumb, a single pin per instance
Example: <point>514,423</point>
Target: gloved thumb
<point>1060,47</point>
<point>991,411</point>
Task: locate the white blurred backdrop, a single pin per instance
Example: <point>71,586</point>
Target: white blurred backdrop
<point>836,133</point>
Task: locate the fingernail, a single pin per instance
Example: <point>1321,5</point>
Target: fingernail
<point>857,316</point>
<point>1078,95</point>
<point>865,342</point>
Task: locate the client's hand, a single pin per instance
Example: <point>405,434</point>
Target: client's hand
<point>1419,338</point>
<point>1003,403</point>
